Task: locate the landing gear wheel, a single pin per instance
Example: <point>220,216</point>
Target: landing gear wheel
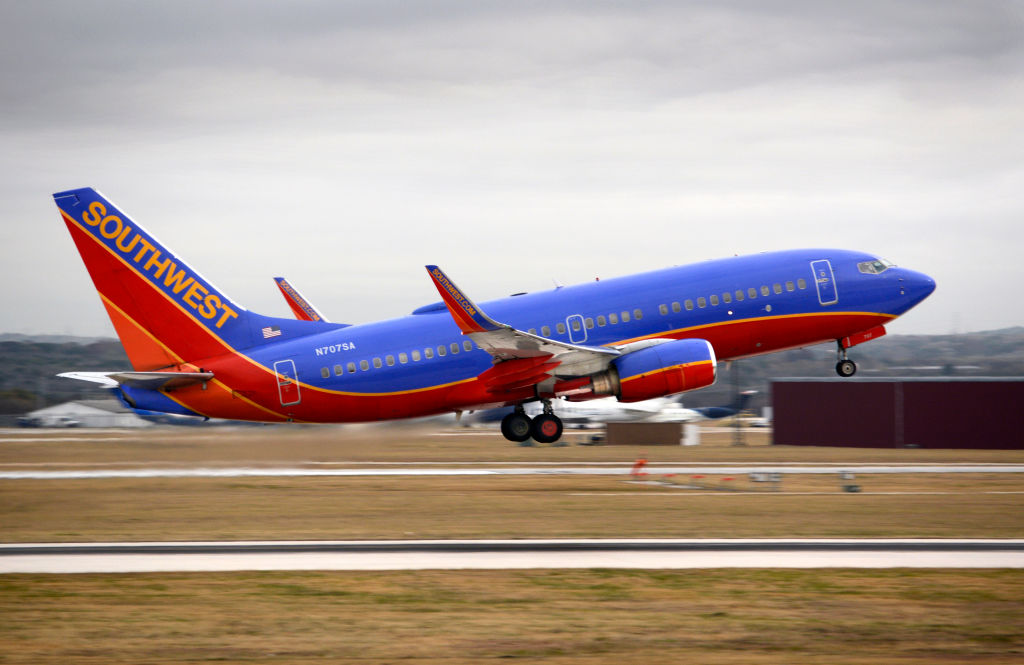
<point>516,426</point>
<point>846,368</point>
<point>546,428</point>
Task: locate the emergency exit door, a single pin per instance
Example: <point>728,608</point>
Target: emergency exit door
<point>825,282</point>
<point>287,382</point>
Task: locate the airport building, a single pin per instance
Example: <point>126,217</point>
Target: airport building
<point>84,413</point>
<point>899,412</point>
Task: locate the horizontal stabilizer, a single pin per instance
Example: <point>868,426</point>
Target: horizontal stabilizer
<point>147,380</point>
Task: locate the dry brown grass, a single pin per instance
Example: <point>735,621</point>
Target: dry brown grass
<point>568,617</point>
<point>764,617</point>
<point>421,443</point>
<point>949,505</point>
<point>501,507</point>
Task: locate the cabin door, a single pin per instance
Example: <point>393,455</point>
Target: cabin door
<point>825,282</point>
<point>287,382</point>
<point>577,330</point>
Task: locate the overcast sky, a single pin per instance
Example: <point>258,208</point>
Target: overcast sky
<point>346,144</point>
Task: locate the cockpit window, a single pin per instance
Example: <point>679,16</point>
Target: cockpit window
<point>875,267</point>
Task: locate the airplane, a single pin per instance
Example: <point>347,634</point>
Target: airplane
<point>195,351</point>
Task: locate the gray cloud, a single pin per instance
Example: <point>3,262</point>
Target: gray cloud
<point>347,142</point>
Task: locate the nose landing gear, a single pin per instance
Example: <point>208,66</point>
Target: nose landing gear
<point>845,367</point>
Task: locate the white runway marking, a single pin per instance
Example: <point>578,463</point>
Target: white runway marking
<point>453,555</point>
<point>245,472</point>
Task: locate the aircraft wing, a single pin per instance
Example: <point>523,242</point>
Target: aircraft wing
<point>520,358</point>
<point>302,308</point>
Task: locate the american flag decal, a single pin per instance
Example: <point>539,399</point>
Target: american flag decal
<point>271,331</point>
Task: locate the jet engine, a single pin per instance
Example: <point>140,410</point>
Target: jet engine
<point>658,370</point>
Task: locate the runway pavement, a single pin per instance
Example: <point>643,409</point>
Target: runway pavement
<point>507,554</point>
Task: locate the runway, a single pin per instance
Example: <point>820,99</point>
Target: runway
<point>507,554</point>
<point>419,470</point>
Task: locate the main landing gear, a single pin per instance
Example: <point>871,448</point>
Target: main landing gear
<point>845,367</point>
<point>545,428</point>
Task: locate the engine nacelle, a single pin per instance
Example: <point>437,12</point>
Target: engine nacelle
<point>656,371</point>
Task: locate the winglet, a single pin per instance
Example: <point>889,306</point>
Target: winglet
<point>302,308</point>
<point>467,315</point>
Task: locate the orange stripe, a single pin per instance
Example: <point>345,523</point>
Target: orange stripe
<point>216,382</point>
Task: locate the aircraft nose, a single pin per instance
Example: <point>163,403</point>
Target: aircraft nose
<point>916,285</point>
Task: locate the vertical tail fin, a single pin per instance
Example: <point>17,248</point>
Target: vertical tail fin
<point>164,311</point>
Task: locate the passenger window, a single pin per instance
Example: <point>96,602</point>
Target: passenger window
<point>338,370</point>
<point>545,331</point>
<point>364,365</point>
<point>601,321</point>
<point>467,345</point>
<point>377,363</point>
<point>801,283</point>
<point>613,318</point>
<point>532,331</point>
<point>625,317</point>
<point>428,353</point>
<point>739,295</point>
<point>454,346</point>
<point>789,286</point>
<point>589,322</point>
<point>752,293</point>
<point>689,305</point>
<point>727,297</point>
<point>701,302</point>
<point>403,358</point>
<point>764,290</point>
<point>663,309</point>
<point>324,372</point>
<point>415,355</point>
<point>638,314</point>
<point>777,288</point>
<point>575,324</point>
<point>676,307</point>
<point>351,368</point>
<point>714,299</point>
<point>441,351</point>
<point>561,328</point>
<point>391,360</point>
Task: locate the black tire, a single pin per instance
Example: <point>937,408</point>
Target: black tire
<point>516,427</point>
<point>546,428</point>
<point>846,368</point>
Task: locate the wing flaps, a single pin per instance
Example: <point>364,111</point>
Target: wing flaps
<point>518,373</point>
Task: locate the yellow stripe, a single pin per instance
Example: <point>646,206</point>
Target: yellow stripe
<point>665,369</point>
<point>397,392</point>
<point>737,321</point>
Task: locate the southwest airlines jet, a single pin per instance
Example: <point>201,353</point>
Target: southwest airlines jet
<point>195,351</point>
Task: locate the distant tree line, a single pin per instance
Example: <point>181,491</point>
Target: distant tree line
<point>28,369</point>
